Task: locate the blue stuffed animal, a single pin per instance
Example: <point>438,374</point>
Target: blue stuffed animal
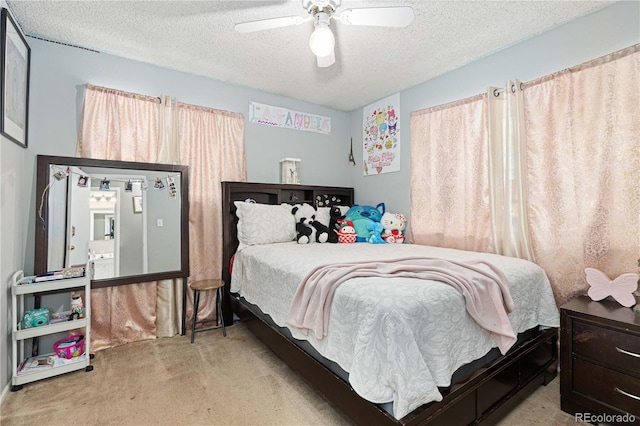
<point>375,229</point>
<point>362,217</point>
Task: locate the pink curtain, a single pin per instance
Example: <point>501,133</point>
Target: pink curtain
<point>583,149</point>
<point>123,126</point>
<point>211,143</point>
<point>449,176</point>
<point>118,125</point>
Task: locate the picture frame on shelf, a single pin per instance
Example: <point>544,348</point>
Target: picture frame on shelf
<point>15,65</point>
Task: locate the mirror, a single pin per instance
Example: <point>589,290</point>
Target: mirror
<point>130,220</point>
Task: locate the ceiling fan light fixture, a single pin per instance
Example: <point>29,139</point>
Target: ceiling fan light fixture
<point>322,41</point>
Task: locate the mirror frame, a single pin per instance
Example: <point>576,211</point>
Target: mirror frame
<point>42,225</point>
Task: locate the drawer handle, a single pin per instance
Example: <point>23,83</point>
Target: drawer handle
<point>627,352</point>
<point>626,393</point>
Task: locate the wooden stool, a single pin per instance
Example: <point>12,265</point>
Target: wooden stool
<point>206,285</point>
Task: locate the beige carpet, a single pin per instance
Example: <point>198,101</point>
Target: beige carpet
<point>215,381</point>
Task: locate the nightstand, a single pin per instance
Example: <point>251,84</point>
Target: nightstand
<point>599,358</point>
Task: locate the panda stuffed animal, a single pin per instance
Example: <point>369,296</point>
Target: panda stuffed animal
<point>308,229</point>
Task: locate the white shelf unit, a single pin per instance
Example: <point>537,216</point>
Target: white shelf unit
<point>18,294</point>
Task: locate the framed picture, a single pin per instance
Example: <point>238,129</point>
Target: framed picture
<point>137,204</point>
<point>15,61</point>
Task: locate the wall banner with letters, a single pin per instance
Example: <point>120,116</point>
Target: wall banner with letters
<point>274,116</point>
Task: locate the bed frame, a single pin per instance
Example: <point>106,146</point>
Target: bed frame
<point>483,397</point>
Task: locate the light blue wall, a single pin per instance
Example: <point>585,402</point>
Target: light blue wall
<point>603,32</point>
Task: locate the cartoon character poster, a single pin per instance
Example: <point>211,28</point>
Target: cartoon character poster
<point>381,136</point>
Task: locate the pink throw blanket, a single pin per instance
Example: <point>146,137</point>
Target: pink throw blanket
<point>484,287</point>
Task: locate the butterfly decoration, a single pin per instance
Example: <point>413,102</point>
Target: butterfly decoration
<point>621,288</point>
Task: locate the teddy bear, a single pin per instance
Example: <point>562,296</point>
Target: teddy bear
<point>308,229</point>
<point>393,224</point>
<point>362,217</point>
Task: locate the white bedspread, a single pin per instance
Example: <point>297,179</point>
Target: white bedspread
<point>398,338</point>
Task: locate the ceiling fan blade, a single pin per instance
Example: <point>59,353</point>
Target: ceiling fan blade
<point>268,24</point>
<point>378,16</point>
<point>327,61</point>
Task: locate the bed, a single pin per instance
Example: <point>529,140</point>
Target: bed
<point>475,384</point>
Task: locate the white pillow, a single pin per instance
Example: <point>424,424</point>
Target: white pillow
<point>344,209</point>
<point>324,214</point>
<point>264,223</point>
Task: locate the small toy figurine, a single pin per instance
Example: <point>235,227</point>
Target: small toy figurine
<point>77,307</point>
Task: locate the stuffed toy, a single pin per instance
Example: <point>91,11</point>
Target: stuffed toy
<point>362,216</point>
<point>323,233</point>
<point>375,228</point>
<point>346,232</point>
<point>394,225</point>
<point>308,229</point>
<point>334,216</point>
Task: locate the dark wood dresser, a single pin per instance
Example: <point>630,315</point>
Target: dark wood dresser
<point>600,359</point>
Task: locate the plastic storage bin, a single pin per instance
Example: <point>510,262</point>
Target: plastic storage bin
<point>69,347</point>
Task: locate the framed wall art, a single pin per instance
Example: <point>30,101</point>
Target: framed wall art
<point>14,72</point>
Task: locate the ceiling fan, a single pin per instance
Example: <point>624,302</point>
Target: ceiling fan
<point>322,41</point>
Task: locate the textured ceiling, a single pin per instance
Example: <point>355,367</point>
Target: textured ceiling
<point>198,37</point>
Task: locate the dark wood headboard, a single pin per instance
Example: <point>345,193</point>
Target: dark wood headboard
<point>264,193</point>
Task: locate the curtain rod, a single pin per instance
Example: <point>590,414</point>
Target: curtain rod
<point>496,92</point>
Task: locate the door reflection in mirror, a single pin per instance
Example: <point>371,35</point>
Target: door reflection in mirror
<point>103,238</point>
